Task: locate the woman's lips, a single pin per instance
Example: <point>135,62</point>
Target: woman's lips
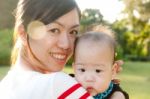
<point>59,57</point>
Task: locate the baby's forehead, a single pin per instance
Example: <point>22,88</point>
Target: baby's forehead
<point>97,38</point>
<point>91,46</point>
<point>90,64</point>
<point>94,66</point>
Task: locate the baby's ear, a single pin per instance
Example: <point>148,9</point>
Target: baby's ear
<point>115,79</point>
<point>114,70</point>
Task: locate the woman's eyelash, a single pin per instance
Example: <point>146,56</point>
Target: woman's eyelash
<point>55,30</point>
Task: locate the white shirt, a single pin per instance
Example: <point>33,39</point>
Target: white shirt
<point>21,84</point>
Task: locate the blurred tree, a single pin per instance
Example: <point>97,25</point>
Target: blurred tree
<point>137,8</point>
<point>6,17</point>
<point>5,46</point>
<point>135,28</point>
<point>89,18</point>
<point>120,30</point>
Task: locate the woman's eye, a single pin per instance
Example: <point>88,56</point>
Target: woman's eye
<point>74,32</point>
<point>54,31</point>
<point>98,70</point>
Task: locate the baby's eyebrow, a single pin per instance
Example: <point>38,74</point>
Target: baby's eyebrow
<point>101,65</point>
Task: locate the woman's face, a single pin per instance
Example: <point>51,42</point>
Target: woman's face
<point>55,47</point>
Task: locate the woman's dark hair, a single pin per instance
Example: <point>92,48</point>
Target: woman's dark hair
<point>45,11</point>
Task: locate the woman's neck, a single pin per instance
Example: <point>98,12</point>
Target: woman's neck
<point>25,63</point>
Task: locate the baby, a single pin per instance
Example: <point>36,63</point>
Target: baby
<point>94,65</point>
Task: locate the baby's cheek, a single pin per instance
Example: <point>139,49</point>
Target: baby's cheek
<point>79,79</point>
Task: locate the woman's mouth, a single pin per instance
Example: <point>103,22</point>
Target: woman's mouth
<point>59,57</point>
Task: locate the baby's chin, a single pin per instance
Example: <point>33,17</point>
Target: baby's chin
<point>92,92</point>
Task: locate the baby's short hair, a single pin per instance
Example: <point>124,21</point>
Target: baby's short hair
<point>100,35</point>
<point>104,29</point>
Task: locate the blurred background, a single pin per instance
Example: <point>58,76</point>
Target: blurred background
<point>130,19</point>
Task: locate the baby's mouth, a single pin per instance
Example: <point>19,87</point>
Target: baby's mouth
<point>89,88</point>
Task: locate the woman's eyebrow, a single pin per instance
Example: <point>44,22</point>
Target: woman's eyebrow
<point>74,26</point>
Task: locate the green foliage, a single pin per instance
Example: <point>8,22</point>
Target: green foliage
<point>120,30</point>
<point>70,61</point>
<point>133,32</point>
<point>142,7</point>
<point>119,54</point>
<point>5,46</point>
<point>6,13</point>
<point>89,18</point>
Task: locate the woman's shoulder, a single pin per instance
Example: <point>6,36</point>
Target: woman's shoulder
<point>34,85</point>
<point>64,86</point>
<point>30,84</point>
<point>60,85</point>
<point>51,85</point>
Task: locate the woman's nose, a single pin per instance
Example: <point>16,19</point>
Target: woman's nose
<point>64,41</point>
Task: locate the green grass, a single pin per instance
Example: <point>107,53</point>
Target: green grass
<point>3,71</point>
<point>135,78</point>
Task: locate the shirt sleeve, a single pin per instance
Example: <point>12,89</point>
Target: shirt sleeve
<point>66,87</point>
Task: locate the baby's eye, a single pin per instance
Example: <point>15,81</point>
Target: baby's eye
<point>74,32</point>
<point>98,70</point>
<point>82,70</point>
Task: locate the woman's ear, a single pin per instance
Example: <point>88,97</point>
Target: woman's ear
<point>22,34</point>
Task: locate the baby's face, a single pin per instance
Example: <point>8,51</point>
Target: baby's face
<point>93,68</point>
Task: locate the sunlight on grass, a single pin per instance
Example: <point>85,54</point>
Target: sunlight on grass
<point>132,78</point>
<point>136,87</point>
<point>135,79</point>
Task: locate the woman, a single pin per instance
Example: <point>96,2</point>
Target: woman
<point>45,31</point>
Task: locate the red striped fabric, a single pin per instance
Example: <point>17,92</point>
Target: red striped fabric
<point>85,96</point>
<point>69,91</point>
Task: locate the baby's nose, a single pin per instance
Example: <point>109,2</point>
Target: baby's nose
<point>89,78</point>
